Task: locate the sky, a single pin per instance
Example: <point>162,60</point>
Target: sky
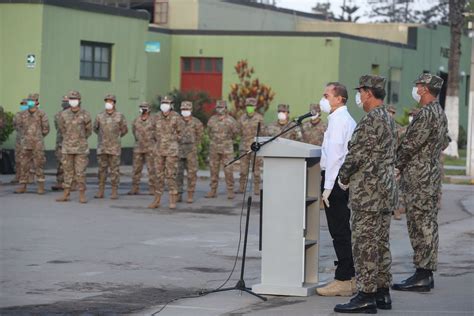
<point>306,5</point>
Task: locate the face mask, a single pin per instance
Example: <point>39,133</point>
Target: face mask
<point>143,110</point>
<point>358,100</point>
<point>23,107</point>
<point>415,95</point>
<point>109,106</point>
<point>324,104</point>
<point>186,113</point>
<point>410,118</point>
<point>250,109</point>
<point>30,104</point>
<point>314,117</point>
<point>281,116</point>
<point>74,103</point>
<point>165,107</point>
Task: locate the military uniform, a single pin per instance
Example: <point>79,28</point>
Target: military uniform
<point>312,131</point>
<point>75,125</point>
<point>143,128</point>
<point>279,125</point>
<point>17,128</point>
<point>58,148</point>
<point>34,127</point>
<point>369,168</point>
<point>419,163</point>
<point>222,130</point>
<point>110,127</point>
<point>248,124</point>
<point>188,147</point>
<point>168,131</point>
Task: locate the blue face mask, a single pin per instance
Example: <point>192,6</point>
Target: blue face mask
<point>30,104</point>
<point>23,107</point>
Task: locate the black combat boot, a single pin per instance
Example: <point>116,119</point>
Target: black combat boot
<point>421,281</point>
<point>361,303</point>
<point>383,299</point>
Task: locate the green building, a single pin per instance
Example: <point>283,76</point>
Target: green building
<point>52,46</point>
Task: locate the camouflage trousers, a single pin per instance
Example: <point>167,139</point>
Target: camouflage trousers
<point>31,171</point>
<point>75,166</point>
<point>28,156</point>
<point>166,168</point>
<point>371,249</point>
<point>422,222</point>
<point>109,164</point>
<point>59,169</point>
<point>215,160</point>
<point>244,169</point>
<point>139,160</point>
<point>189,163</point>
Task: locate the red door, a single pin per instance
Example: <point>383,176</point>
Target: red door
<point>202,74</point>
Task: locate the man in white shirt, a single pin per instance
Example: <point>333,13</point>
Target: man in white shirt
<point>334,149</point>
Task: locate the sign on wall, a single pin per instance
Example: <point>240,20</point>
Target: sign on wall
<point>152,47</point>
<point>30,61</point>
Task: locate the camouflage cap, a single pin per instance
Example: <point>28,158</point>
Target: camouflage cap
<point>430,80</point>
<point>186,105</point>
<point>221,104</point>
<point>314,107</point>
<point>167,99</point>
<point>371,81</point>
<point>144,104</point>
<point>392,109</point>
<point>33,96</point>
<point>283,107</point>
<point>251,101</point>
<point>110,96</point>
<point>73,94</point>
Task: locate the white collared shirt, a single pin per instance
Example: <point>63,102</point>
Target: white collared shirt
<point>341,125</point>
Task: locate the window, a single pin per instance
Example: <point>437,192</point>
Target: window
<point>161,12</point>
<point>95,61</point>
<point>201,65</point>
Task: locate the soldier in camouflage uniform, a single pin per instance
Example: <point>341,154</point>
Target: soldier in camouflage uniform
<point>17,129</point>
<point>222,130</point>
<point>312,131</point>
<point>143,128</point>
<point>283,122</point>
<point>248,124</point>
<point>110,126</point>
<point>168,131</point>
<point>419,163</point>
<point>34,126</point>
<point>188,151</point>
<point>369,170</point>
<point>75,126</point>
<point>59,139</point>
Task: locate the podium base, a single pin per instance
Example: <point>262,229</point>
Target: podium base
<point>307,289</point>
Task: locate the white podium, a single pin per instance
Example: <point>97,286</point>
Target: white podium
<point>290,227</point>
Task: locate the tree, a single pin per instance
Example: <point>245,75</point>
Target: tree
<point>323,9</point>
<point>456,23</point>
<point>248,88</point>
<point>349,11</point>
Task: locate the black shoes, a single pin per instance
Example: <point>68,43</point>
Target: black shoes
<point>361,303</point>
<point>383,299</point>
<point>421,281</point>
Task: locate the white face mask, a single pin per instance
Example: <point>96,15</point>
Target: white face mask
<point>315,116</point>
<point>74,103</point>
<point>358,100</point>
<point>186,113</point>
<point>415,94</point>
<point>410,118</point>
<point>281,116</point>
<point>324,104</point>
<point>109,106</point>
<point>165,107</point>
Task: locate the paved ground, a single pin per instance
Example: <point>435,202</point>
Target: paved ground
<point>117,257</point>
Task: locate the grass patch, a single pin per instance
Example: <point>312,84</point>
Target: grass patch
<point>454,172</point>
<point>461,161</point>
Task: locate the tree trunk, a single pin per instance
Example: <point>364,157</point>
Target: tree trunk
<point>456,22</point>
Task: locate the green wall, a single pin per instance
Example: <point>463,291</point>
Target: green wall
<point>295,67</point>
<point>158,66</point>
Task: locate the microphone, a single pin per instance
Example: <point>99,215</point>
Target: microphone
<point>299,119</point>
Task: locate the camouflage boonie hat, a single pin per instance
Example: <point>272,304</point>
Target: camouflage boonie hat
<point>144,104</point>
<point>186,105</point>
<point>430,80</point>
<point>167,99</point>
<point>33,96</point>
<point>251,101</point>
<point>73,94</point>
<point>110,97</point>
<point>283,108</point>
<point>392,109</point>
<point>314,107</point>
<point>221,104</point>
<point>371,81</point>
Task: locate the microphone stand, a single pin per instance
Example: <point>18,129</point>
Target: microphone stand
<point>254,148</point>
